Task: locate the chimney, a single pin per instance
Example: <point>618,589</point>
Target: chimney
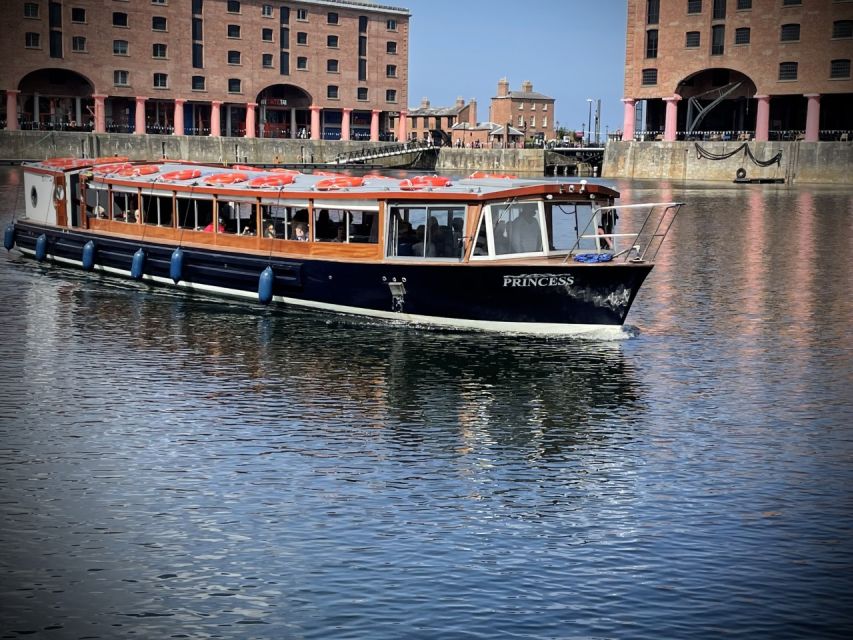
<point>460,102</point>
<point>503,88</point>
<point>527,86</point>
<point>472,112</point>
<point>424,103</point>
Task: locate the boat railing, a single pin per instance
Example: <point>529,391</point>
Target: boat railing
<point>649,230</point>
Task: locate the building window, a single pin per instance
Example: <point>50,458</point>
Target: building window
<point>332,42</point>
<point>266,60</point>
<point>842,29</point>
<point>791,3</point>
<point>652,43</point>
<point>31,10</point>
<point>545,122</point>
<point>692,39</point>
<point>391,24</point>
<point>391,47</point>
<point>78,14</point>
<point>652,11</point>
<point>119,19</point>
<point>233,6</point>
<point>390,95</point>
<point>839,69</point>
<point>362,24</point>
<point>120,78</point>
<point>332,92</point>
<point>362,45</point>
<point>233,85</point>
<point>78,43</point>
<point>198,83</point>
<point>694,6</point>
<point>302,63</point>
<point>332,66</point>
<point>234,57</point>
<point>301,37</point>
<point>198,29</point>
<point>332,18</point>
<point>719,12</point>
<point>266,35</point>
<point>158,23</point>
<point>198,55</point>
<point>790,33</point>
<point>787,70</point>
<point>718,40</point>
<point>161,81</point>
<point>32,40</point>
<point>233,30</point>
<point>266,11</point>
<point>302,14</point>
<point>362,70</point>
<point>158,50</point>
<point>391,71</point>
<point>744,5</point>
<point>742,35</point>
<point>650,76</point>
<point>284,63</point>
<point>119,47</point>
<point>159,2</point>
<point>361,92</point>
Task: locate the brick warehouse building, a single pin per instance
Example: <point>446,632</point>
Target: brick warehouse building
<point>530,112</point>
<point>321,69</point>
<point>768,68</point>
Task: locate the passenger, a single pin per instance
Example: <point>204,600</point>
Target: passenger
<point>525,235</point>
<point>421,248</point>
<point>325,229</point>
<point>501,237</point>
<point>301,233</point>
<point>406,239</point>
<point>270,231</point>
<point>220,227</point>
<point>605,227</point>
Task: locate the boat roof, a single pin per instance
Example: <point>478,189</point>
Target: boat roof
<point>179,175</point>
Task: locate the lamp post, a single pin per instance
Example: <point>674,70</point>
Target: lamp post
<point>589,123</point>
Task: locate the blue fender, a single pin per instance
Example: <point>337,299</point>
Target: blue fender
<point>9,236</point>
<point>176,265</point>
<point>89,255</point>
<point>265,283</point>
<point>137,267</point>
<point>41,247</point>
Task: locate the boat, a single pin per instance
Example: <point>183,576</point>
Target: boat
<point>490,251</point>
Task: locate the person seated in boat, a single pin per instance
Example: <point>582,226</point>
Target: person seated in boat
<point>606,224</point>
<point>325,229</point>
<point>300,232</point>
<point>422,248</point>
<point>269,231</point>
<point>220,227</point>
<point>406,239</point>
<point>524,233</point>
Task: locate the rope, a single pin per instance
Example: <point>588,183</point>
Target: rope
<point>704,153</point>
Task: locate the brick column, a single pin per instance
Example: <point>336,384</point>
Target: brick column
<point>374,125</point>
<point>762,119</point>
<point>813,117</point>
<point>345,122</point>
<point>315,122</point>
<point>250,119</point>
<point>628,118</point>
<point>671,125</point>
<point>100,114</point>
<point>139,127</point>
<point>215,118</point>
<point>179,117</point>
<point>12,109</point>
<point>403,126</point>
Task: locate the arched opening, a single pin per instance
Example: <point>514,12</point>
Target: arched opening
<point>56,99</point>
<point>718,101</point>
<point>283,112</point>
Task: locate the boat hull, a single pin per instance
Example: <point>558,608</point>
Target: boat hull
<point>550,297</point>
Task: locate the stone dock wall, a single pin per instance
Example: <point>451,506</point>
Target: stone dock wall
<point>800,162</point>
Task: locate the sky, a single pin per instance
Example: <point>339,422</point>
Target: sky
<point>570,50</point>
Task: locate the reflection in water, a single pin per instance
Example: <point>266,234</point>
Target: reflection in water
<point>174,466</point>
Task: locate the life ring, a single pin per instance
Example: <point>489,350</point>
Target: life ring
<point>740,174</point>
<point>60,163</point>
<point>291,172</point>
<point>422,182</point>
<point>245,167</point>
<point>226,178</point>
<point>341,182</point>
<point>182,174</point>
<point>110,168</point>
<point>138,170</point>
<point>109,160</point>
<point>279,180</point>
<point>482,174</point>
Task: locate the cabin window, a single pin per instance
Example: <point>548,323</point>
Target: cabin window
<point>422,231</point>
<point>157,210</point>
<point>346,225</point>
<point>565,221</point>
<point>280,220</point>
<point>516,227</point>
<point>125,206</point>
<point>237,217</point>
<point>97,203</point>
<point>194,213</point>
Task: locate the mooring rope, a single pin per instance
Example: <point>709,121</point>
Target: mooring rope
<point>704,153</point>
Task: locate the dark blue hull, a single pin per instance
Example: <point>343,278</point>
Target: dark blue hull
<point>507,296</point>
